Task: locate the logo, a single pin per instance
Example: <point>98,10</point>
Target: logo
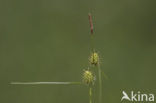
<point>137,96</point>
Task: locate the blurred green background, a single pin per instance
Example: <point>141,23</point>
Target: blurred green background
<point>49,40</point>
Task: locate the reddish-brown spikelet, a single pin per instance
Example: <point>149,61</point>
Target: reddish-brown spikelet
<point>90,22</point>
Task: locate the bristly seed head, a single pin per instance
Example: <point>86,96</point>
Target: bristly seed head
<point>94,58</point>
<point>88,77</point>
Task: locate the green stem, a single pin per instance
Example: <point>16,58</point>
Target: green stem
<point>48,83</point>
<point>100,84</point>
<point>92,42</point>
<point>90,94</point>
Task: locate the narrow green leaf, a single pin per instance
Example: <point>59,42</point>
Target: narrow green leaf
<point>48,83</point>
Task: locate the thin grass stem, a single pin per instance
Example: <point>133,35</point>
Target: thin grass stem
<point>100,84</point>
<point>92,43</point>
<point>48,83</point>
<point>90,94</point>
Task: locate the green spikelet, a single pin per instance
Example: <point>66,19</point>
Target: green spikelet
<point>94,58</point>
<point>88,77</point>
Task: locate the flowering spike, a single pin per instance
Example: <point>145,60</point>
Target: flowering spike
<point>94,59</point>
<point>90,22</point>
<point>88,77</point>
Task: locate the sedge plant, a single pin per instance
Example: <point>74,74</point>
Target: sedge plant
<point>88,77</point>
<point>94,57</point>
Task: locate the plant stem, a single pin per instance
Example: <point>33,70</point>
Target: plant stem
<point>92,43</point>
<point>90,94</point>
<point>38,83</point>
<point>100,84</point>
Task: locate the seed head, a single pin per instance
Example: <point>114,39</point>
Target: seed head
<point>88,77</point>
<point>94,58</point>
